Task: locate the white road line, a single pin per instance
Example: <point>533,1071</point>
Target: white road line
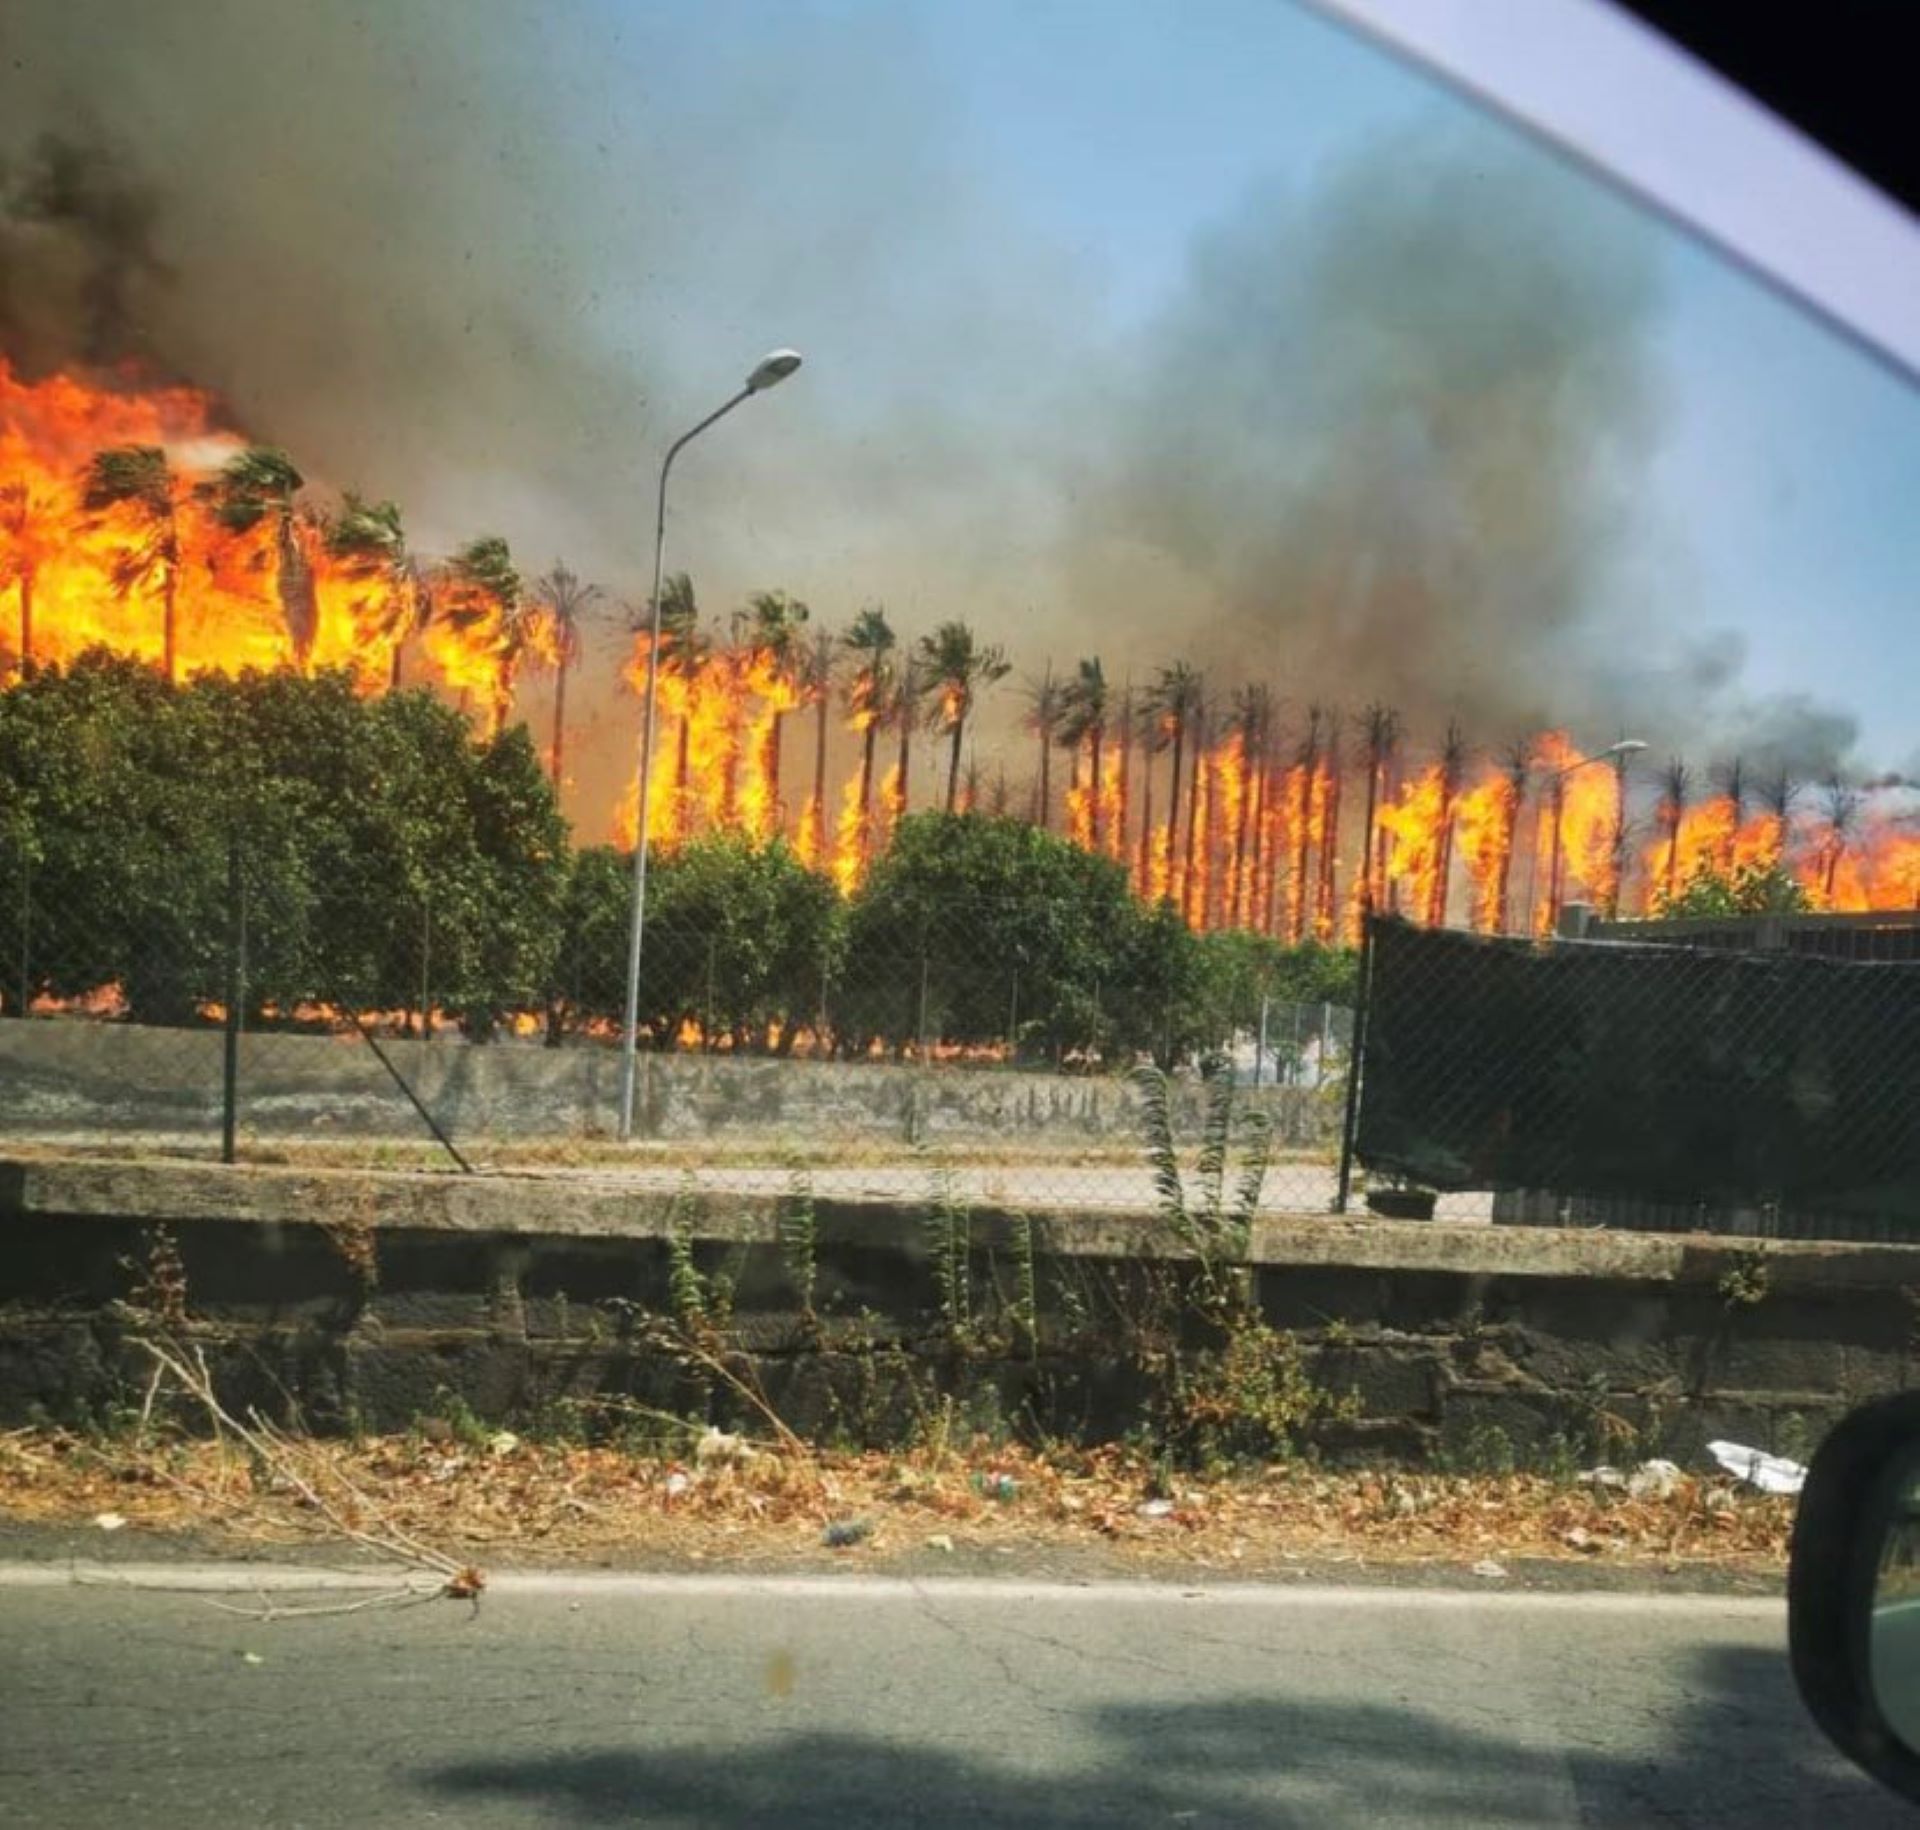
<point>232,1578</point>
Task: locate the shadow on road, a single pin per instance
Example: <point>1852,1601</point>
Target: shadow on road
<point>1743,1753</point>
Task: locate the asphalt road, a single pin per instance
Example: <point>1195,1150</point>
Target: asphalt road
<point>850,1701</point>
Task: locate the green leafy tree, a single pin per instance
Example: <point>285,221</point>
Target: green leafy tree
<point>971,931</point>
<point>1747,889</point>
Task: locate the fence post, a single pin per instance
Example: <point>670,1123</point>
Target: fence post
<point>236,991</point>
<point>1351,1122</point>
<point>26,927</point>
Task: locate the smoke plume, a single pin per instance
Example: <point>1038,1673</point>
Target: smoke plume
<point>1390,438</point>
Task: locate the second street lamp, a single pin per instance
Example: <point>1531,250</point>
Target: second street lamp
<point>768,372</point>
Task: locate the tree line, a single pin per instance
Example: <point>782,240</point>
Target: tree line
<point>371,855</point>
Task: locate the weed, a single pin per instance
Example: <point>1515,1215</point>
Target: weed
<point>1745,1282</point>
<point>950,1240</point>
<point>799,1243</point>
<point>1025,1308</point>
<point>352,1236</point>
<point>1218,1230</point>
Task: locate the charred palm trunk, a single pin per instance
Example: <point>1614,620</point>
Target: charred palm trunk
<point>557,756</point>
<point>293,579</point>
<point>1328,901</point>
<point>1096,737</point>
<point>953,763</point>
<point>26,623</point>
<point>821,712</point>
<point>1195,770</point>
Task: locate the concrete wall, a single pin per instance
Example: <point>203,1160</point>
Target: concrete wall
<point>513,1294</point>
<point>72,1079</point>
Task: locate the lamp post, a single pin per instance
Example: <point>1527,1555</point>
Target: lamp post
<point>1627,746</point>
<point>768,372</point>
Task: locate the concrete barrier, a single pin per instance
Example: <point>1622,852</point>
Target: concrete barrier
<point>373,1299</point>
<point>73,1079</point>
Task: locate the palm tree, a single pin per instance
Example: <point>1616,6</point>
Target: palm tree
<point>1676,784</point>
<point>485,600</point>
<point>23,532</point>
<point>564,601</point>
<point>261,484</point>
<point>814,676</point>
<point>1734,788</point>
<point>1380,733</point>
<point>867,695</point>
<point>1309,766</point>
<point>1325,899</point>
<point>774,625</point>
<point>1516,761</point>
<point>1084,724</point>
<point>1843,809</point>
<point>1249,714</point>
<point>1045,706</point>
<point>368,542</point>
<point>681,653</point>
<point>957,666</point>
<point>904,708</point>
<point>1777,794</point>
<point>1153,739</point>
<point>1453,767</point>
<point>1174,701</point>
<point>1193,886</point>
<point>139,479</point>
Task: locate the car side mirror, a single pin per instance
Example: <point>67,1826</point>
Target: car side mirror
<point>1853,1590</point>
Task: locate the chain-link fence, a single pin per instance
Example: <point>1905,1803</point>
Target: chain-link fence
<point>1645,1086</point>
<point>233,1006</point>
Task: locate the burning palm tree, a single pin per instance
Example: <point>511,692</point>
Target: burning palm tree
<point>259,485</point>
<point>138,480</point>
<point>1174,702</point>
<point>563,602</point>
<point>1046,706</point>
<point>1676,786</point>
<point>486,605</point>
<point>1083,726</point>
<point>366,541</point>
<point>774,624</point>
<point>957,666</point>
<point>813,675</point>
<point>866,694</point>
<point>25,533</point>
<point>1380,731</point>
<point>1843,812</point>
<point>1453,768</point>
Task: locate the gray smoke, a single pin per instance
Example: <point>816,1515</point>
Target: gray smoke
<point>1390,438</point>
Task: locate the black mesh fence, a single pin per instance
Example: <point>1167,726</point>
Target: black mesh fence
<point>1644,1085</point>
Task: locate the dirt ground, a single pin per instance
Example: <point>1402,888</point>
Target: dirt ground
<point>499,1502</point>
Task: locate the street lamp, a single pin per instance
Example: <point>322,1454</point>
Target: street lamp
<point>768,372</point>
<point>1627,746</point>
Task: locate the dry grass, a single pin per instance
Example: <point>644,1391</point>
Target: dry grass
<point>537,1502</point>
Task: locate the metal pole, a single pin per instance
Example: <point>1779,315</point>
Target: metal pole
<point>1350,1124</point>
<point>236,990</point>
<point>1559,821</point>
<point>630,1031</point>
<point>26,929</point>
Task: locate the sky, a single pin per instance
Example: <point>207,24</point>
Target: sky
<point>1142,328</point>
